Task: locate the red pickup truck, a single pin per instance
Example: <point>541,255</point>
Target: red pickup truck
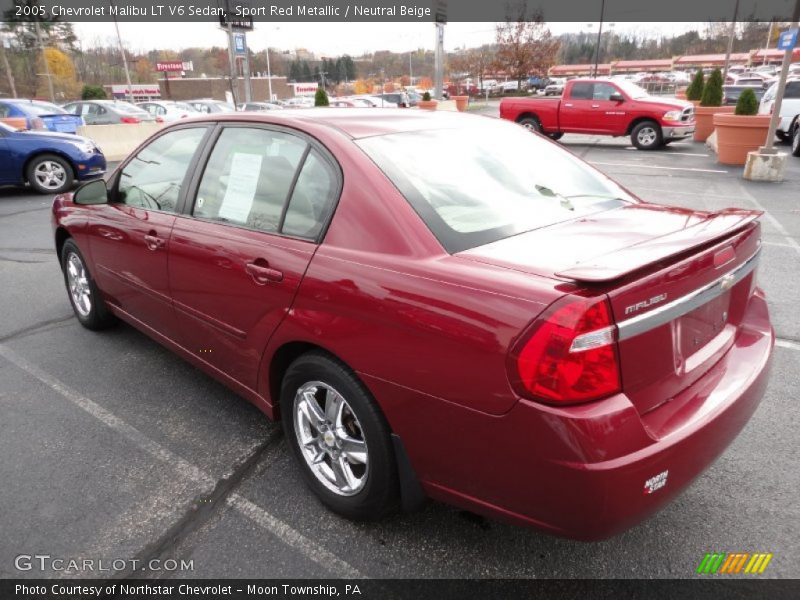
<point>605,107</point>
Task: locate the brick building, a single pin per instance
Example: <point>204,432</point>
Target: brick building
<point>189,88</point>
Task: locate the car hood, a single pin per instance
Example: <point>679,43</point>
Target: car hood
<point>665,104</point>
<point>51,136</point>
<point>607,245</point>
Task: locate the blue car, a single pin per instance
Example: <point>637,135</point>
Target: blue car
<point>35,114</point>
<point>50,162</point>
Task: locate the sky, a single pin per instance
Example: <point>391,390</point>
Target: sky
<point>331,39</point>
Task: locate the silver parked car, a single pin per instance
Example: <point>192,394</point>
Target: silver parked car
<point>210,106</point>
<point>108,112</point>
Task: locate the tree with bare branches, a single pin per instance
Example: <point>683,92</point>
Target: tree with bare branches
<point>525,47</point>
<point>473,62</point>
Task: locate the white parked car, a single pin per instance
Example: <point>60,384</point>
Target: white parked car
<point>790,107</point>
<point>167,111</point>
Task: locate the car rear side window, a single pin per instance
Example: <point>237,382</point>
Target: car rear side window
<point>312,198</point>
<point>581,91</point>
<point>249,176</point>
<point>153,178</point>
<point>792,90</point>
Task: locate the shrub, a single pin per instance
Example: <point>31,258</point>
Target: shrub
<point>426,97</point>
<point>93,92</point>
<point>712,92</point>
<point>695,89</point>
<point>321,97</point>
<point>747,104</point>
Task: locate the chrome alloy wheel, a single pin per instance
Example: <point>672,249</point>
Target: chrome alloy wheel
<point>647,136</point>
<point>50,175</point>
<point>330,438</point>
<point>78,283</point>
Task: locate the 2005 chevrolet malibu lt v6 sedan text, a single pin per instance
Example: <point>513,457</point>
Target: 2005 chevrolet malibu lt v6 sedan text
<point>500,327</point>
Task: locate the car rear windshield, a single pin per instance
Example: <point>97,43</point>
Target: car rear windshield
<point>127,107</point>
<point>478,184</point>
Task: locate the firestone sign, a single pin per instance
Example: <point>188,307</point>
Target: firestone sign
<point>174,65</point>
<point>305,89</point>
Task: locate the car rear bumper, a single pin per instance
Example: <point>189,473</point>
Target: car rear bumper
<point>589,471</point>
<point>677,132</point>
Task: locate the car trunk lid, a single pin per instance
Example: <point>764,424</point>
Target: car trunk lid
<point>678,282</point>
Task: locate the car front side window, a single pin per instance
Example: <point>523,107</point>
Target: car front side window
<point>249,177</point>
<point>153,178</point>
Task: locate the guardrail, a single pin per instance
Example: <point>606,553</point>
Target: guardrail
<point>117,141</point>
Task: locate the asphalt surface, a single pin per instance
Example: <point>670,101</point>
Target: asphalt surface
<point>114,448</point>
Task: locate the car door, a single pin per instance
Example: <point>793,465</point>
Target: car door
<point>608,115</point>
<point>8,166</point>
<point>237,257</point>
<point>575,114</point>
<point>129,237</point>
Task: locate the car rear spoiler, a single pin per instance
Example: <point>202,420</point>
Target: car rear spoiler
<point>622,262</point>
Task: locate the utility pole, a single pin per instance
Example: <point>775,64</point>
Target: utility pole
<point>9,74</point>
<point>44,60</point>
<point>599,36</point>
<point>731,35</point>
<point>232,61</point>
<point>246,69</point>
<point>124,58</point>
<point>769,37</point>
<point>269,76</point>
<point>438,78</point>
<point>776,108</point>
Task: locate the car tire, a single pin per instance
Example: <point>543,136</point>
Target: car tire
<point>84,296</point>
<point>796,140</point>
<point>531,124</point>
<point>314,385</point>
<point>555,136</point>
<point>49,174</point>
<point>783,136</point>
<point>647,135</point>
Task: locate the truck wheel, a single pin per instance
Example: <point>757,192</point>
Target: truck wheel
<point>555,136</point>
<point>647,136</point>
<point>796,140</point>
<point>531,123</point>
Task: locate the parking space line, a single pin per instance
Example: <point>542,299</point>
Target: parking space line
<point>671,152</point>
<point>692,169</point>
<point>281,530</point>
<point>787,344</point>
<point>777,224</point>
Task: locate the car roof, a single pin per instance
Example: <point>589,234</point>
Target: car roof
<point>357,122</point>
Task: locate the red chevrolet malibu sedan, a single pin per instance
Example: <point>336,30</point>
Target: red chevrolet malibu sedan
<point>436,305</point>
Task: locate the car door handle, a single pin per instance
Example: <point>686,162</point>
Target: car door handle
<point>568,104</point>
<point>153,242</point>
<point>595,106</point>
<point>262,273</point>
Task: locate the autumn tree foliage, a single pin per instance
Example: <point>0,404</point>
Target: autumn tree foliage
<point>473,62</point>
<point>525,47</point>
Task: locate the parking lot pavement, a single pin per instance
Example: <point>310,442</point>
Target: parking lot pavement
<point>115,448</point>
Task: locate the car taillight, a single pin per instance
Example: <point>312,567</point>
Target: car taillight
<point>131,120</point>
<point>569,354</point>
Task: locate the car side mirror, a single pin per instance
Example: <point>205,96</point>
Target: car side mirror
<point>616,97</point>
<point>93,192</point>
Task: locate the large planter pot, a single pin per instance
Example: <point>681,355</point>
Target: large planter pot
<point>427,104</point>
<point>461,102</point>
<point>704,115</point>
<point>739,134</point>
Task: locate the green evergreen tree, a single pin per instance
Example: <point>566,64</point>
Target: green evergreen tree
<point>695,89</point>
<point>747,104</point>
<point>321,97</point>
<point>712,92</point>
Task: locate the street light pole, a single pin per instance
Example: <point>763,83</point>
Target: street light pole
<point>731,35</point>
<point>599,35</point>
<point>124,58</point>
<point>269,76</point>
<point>44,60</point>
